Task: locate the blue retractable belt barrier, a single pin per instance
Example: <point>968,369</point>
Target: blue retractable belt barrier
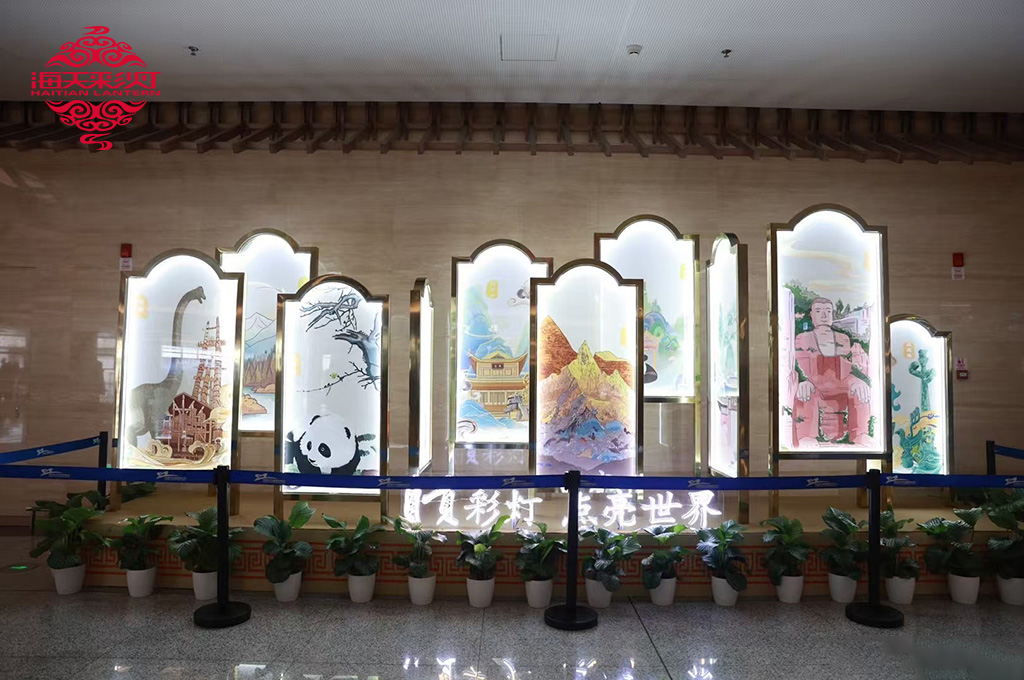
<point>955,481</point>
<point>43,451</point>
<point>1008,451</point>
<point>107,474</point>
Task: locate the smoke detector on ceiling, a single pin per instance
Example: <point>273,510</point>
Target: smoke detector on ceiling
<point>192,51</point>
<point>634,50</point>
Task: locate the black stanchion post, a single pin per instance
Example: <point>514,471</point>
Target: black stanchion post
<point>101,461</point>
<point>990,457</point>
<point>570,616</point>
<point>223,613</point>
<point>873,613</point>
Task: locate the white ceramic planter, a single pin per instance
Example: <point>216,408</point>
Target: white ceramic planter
<point>288,590</point>
<point>842,588</point>
<point>204,584</point>
<point>360,588</point>
<point>964,589</point>
<point>538,593</point>
<point>900,590</point>
<point>722,592</point>
<point>421,590</point>
<point>141,581</point>
<point>69,581</point>
<point>1011,590</point>
<point>665,593</point>
<point>791,589</point>
<point>598,596</point>
<point>480,592</point>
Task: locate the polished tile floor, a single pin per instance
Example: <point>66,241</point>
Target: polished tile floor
<point>105,634</point>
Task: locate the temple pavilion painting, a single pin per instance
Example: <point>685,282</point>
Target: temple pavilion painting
<point>921,415</point>
<point>491,368</point>
<point>272,264</point>
<point>830,336</point>
<point>178,383</point>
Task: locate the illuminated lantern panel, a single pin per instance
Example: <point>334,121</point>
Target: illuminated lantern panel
<point>920,399</point>
<point>271,265</point>
<point>178,367</point>
<point>585,416</point>
<point>492,354</point>
<point>333,365</point>
<point>830,371</point>
<point>724,358</point>
<point>649,250</point>
<point>421,394</point>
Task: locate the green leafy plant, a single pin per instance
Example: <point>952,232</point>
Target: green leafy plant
<point>196,546</point>
<point>352,549</point>
<point>1006,511</point>
<point>135,544</point>
<point>537,553</point>
<point>893,565</point>
<point>953,549</point>
<point>612,550</point>
<point>788,552</point>
<point>66,538</point>
<point>661,563</point>
<point>720,554</point>
<point>287,557</point>
<point>92,497</point>
<point>476,550</point>
<point>847,555</point>
<point>416,561</point>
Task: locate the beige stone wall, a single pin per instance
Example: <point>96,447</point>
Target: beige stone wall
<point>387,220</point>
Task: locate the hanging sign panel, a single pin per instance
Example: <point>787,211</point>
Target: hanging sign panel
<point>728,365</point>
<point>421,376</point>
<point>829,309</point>
<point>586,396</point>
<point>651,249</point>
<point>491,332</point>
<point>272,263</point>
<point>921,397</point>
<point>179,353</point>
<point>332,382</point>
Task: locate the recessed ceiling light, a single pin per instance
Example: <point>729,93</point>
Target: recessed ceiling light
<point>633,50</point>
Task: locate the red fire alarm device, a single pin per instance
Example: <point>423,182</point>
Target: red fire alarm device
<point>126,251</point>
<point>958,266</point>
<point>958,259</point>
<point>125,264</point>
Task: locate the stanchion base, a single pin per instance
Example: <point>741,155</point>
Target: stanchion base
<point>563,618</point>
<point>213,616</point>
<point>876,616</point>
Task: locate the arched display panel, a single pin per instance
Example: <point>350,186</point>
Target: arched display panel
<point>332,381</point>
<point>587,391</point>
<point>178,351</point>
<point>921,396</point>
<point>490,338</point>
<point>273,263</point>
<point>650,248</point>
<point>421,376</point>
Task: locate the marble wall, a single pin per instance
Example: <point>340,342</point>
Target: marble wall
<point>388,219</point>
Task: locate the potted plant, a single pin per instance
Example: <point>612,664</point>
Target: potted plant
<point>287,557</point>
<point>536,563</point>
<point>1007,553</point>
<point>476,550</point>
<point>845,556</point>
<point>658,569</point>
<point>723,559</point>
<point>602,571</point>
<point>952,553</point>
<point>786,557</point>
<point>352,557</point>
<point>900,573</point>
<point>134,547</point>
<point>196,547</point>
<point>66,539</point>
<point>417,560</point>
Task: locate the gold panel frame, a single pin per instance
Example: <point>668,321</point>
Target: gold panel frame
<point>314,271</point>
<point>453,349</point>
<point>552,280</point>
<point>420,290</point>
<point>743,342</point>
<point>385,416</point>
<point>775,455</point>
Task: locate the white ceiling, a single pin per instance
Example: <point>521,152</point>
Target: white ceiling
<point>950,55</point>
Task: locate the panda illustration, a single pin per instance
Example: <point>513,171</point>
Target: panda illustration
<point>327,447</point>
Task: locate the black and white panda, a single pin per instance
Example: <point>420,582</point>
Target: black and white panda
<point>327,447</point>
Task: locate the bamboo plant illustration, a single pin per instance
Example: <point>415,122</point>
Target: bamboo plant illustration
<point>919,369</point>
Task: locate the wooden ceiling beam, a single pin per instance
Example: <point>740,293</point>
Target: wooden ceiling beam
<point>629,131</point>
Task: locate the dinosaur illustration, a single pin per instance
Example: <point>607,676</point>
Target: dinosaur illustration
<point>149,402</point>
